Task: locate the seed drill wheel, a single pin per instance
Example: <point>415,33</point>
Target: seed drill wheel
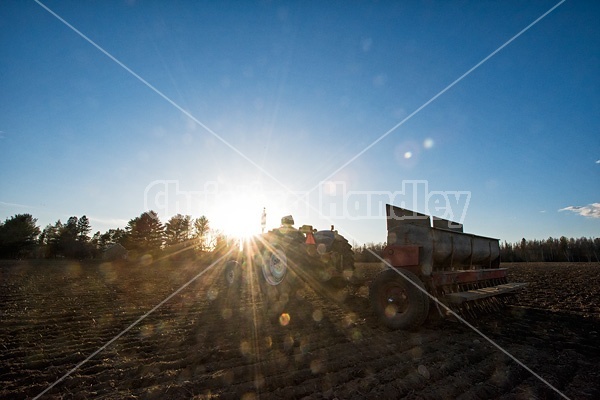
<point>397,303</point>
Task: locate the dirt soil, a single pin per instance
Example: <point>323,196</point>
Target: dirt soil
<point>210,342</point>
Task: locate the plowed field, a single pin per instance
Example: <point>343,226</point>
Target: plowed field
<point>209,342</point>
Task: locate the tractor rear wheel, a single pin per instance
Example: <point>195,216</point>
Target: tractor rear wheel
<point>397,301</point>
<point>344,256</point>
<point>337,266</point>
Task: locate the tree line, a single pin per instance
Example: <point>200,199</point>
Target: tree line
<point>20,237</point>
<point>552,250</point>
<point>546,250</point>
<point>365,252</point>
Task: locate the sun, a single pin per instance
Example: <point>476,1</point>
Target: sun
<point>241,217</point>
<point>240,222</point>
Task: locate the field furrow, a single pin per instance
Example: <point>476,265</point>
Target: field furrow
<point>316,341</point>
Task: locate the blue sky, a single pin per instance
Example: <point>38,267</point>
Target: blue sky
<point>279,96</point>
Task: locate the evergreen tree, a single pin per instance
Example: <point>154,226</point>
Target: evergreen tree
<point>145,233</point>
<point>178,229</point>
<point>83,229</point>
<point>201,230</point>
<point>18,236</point>
<point>51,240</point>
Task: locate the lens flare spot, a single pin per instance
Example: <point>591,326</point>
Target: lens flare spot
<point>348,274</point>
<point>316,366</point>
<point>147,287</point>
<point>288,342</point>
<point>146,330</point>
<point>146,259</point>
<point>428,143</point>
<point>259,381</point>
<point>284,319</point>
<point>363,291</point>
<point>390,311</point>
<point>212,293</point>
<point>75,269</point>
<point>226,313</point>
<point>416,353</point>
<point>317,315</point>
<point>245,347</point>
<point>356,334</point>
<point>407,153</point>
<point>350,319</point>
<point>423,371</point>
<point>249,396</point>
<point>332,188</point>
<point>107,270</point>
<point>268,342</point>
<point>321,248</point>
<point>162,326</point>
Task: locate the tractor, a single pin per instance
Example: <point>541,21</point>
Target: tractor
<point>283,254</point>
<point>425,266</point>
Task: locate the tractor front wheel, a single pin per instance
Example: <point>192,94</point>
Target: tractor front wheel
<point>276,281</point>
<point>233,274</point>
<point>274,266</point>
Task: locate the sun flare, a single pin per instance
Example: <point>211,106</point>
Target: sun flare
<point>241,217</point>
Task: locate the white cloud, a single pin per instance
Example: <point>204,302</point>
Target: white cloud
<point>591,210</point>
